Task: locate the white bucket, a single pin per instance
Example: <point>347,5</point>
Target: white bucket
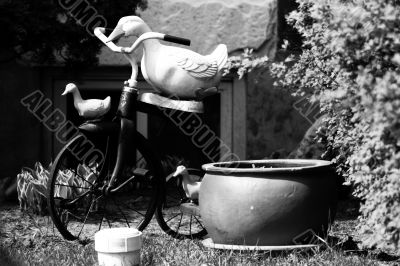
<point>118,246</point>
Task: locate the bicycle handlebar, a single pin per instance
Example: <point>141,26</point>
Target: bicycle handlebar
<point>178,40</point>
<point>99,32</point>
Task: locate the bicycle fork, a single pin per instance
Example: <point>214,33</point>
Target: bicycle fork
<point>126,114</point>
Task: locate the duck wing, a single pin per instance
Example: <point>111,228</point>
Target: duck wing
<point>93,108</point>
<point>196,65</point>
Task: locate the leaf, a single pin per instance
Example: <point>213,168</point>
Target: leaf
<point>285,44</point>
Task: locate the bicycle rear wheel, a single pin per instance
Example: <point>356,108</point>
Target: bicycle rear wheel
<point>77,201</point>
<point>177,215</point>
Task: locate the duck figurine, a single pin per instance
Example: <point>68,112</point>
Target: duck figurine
<point>190,184</point>
<point>174,71</point>
<point>91,108</point>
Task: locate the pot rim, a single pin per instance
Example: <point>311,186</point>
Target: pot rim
<point>308,164</point>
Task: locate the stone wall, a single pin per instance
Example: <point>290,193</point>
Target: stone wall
<point>236,23</point>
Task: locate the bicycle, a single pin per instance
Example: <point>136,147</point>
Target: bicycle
<point>127,185</point>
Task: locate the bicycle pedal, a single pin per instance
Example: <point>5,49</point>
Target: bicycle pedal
<point>142,173</point>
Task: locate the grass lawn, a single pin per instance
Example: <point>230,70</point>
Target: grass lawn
<point>31,240</point>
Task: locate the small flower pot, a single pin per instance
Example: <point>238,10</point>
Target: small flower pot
<point>268,202</point>
<point>118,246</point>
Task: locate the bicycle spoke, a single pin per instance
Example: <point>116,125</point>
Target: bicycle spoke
<point>190,225</point>
<point>123,214</point>
<point>75,216</point>
<point>74,171</point>
<point>176,204</point>
<point>108,222</point>
<point>172,218</point>
<point>105,212</point>
<point>81,177</point>
<point>199,222</point>
<point>63,185</point>
<point>179,225</point>
<point>79,198</point>
<point>103,165</point>
<point>97,175</point>
<point>101,222</point>
<point>87,214</point>
<point>84,221</point>
<point>102,216</point>
<point>79,206</point>
<point>131,208</point>
<point>66,221</point>
<point>76,174</point>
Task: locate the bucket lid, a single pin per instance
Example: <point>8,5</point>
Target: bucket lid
<point>117,240</point>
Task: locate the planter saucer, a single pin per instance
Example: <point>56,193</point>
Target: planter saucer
<point>210,244</point>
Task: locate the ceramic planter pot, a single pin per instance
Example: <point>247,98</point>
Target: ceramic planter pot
<point>267,202</point>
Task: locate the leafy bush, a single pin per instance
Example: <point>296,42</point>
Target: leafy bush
<point>32,186</point>
<point>350,64</point>
<point>245,63</point>
<point>45,31</point>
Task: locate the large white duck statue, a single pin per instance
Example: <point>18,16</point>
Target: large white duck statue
<point>174,71</point>
<point>91,108</point>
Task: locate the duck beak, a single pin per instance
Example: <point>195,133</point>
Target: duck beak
<point>65,92</point>
<point>117,33</point>
<point>179,170</point>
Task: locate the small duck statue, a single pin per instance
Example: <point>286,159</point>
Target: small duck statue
<point>91,108</point>
<point>171,70</point>
<point>190,184</point>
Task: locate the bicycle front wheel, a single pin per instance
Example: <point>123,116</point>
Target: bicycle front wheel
<point>177,215</point>
<point>78,203</point>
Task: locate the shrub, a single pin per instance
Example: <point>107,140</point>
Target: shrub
<point>46,33</point>
<point>32,186</point>
<point>350,64</point>
<point>245,63</point>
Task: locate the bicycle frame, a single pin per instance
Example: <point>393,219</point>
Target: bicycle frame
<point>108,193</point>
<point>126,111</point>
<point>125,129</point>
<point>128,101</point>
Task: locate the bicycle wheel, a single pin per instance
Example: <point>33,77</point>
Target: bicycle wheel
<point>177,215</point>
<point>78,205</point>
